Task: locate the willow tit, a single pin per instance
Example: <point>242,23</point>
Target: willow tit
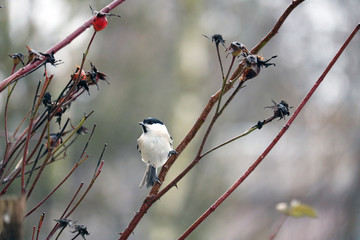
<point>155,146</point>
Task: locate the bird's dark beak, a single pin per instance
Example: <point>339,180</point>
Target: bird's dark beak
<point>143,127</point>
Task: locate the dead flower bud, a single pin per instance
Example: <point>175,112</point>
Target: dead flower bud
<point>64,222</point>
<point>93,76</point>
<point>280,109</point>
<point>32,54</point>
<point>254,64</point>
<point>217,39</point>
<point>17,58</point>
<point>82,130</point>
<point>81,230</point>
<point>47,100</point>
<point>236,49</point>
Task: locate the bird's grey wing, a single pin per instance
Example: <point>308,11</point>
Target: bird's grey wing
<point>171,141</point>
<point>137,146</point>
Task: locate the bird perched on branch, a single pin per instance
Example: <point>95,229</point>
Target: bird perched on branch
<point>155,146</point>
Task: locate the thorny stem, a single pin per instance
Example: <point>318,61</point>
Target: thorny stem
<point>154,194</point>
<point>199,155</point>
<point>28,68</point>
<point>272,144</point>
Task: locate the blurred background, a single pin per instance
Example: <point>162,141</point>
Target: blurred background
<point>159,65</point>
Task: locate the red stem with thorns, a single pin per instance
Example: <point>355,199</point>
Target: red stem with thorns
<point>272,144</point>
<point>154,194</point>
<point>33,65</point>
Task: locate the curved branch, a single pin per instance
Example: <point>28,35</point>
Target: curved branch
<point>153,195</point>
<point>270,35</point>
<point>272,144</point>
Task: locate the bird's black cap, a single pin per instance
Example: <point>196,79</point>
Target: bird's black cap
<point>151,120</point>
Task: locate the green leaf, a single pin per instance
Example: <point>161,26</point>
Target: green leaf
<point>301,210</point>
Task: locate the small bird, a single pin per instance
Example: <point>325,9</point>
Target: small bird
<point>155,146</point>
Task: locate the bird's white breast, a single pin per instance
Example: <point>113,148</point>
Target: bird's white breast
<point>155,145</point>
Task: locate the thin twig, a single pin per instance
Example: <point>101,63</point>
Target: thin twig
<point>154,194</point>
<point>272,144</point>
<point>57,187</point>
<point>52,232</point>
<point>33,112</point>
<point>86,191</point>
<point>74,131</point>
<point>33,167</point>
<point>33,234</point>
<point>6,112</point>
<point>100,160</point>
<point>230,140</point>
<point>40,225</point>
<point>88,141</point>
<point>276,231</point>
<point>224,84</point>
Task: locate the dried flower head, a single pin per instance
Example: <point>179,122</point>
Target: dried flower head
<point>217,39</point>
<point>93,76</point>
<point>254,64</point>
<point>81,230</point>
<point>236,49</point>
<point>280,109</point>
<point>17,58</point>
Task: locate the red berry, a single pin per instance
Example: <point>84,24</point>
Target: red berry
<point>99,22</point>
<point>75,76</point>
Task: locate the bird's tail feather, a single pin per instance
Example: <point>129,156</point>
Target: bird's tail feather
<point>150,176</point>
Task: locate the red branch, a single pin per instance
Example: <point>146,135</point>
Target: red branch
<point>272,144</point>
<point>33,65</point>
<point>154,194</point>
